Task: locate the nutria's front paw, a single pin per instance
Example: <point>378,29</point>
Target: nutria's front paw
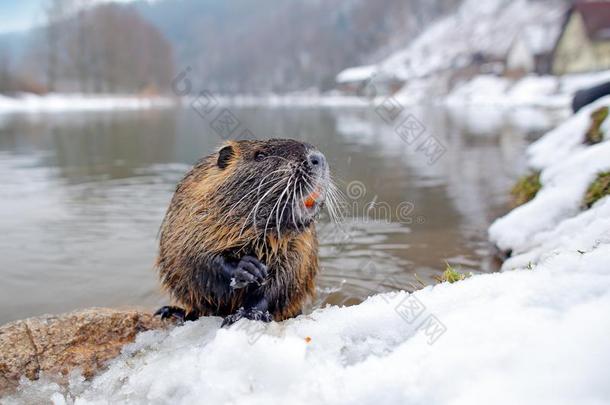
<point>248,270</point>
<point>258,315</point>
<point>167,311</point>
<point>253,314</point>
<point>177,313</point>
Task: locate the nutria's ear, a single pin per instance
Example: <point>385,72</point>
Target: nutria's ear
<point>224,155</point>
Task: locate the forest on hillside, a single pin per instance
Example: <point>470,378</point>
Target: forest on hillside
<point>238,46</point>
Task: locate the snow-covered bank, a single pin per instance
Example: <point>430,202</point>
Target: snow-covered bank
<point>51,103</point>
<point>490,91</point>
<point>554,221</point>
<point>534,91</point>
<point>547,92</point>
<point>58,103</point>
<point>527,337</point>
<point>296,100</point>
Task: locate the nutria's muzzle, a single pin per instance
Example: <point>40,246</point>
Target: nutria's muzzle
<point>316,179</point>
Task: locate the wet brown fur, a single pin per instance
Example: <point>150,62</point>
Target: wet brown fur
<point>194,229</point>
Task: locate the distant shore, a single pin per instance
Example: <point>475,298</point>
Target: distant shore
<point>65,102</point>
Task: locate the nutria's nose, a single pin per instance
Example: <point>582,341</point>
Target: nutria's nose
<point>316,160</point>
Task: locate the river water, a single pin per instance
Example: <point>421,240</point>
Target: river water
<point>83,195</point>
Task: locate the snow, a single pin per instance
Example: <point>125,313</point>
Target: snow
<point>488,28</point>
<point>59,103</point>
<point>527,337</point>
<point>554,221</point>
<point>549,92</point>
<point>541,38</point>
<point>563,188</point>
<point>430,65</point>
<point>534,91</point>
<point>50,103</point>
<point>563,141</point>
<point>521,92</point>
<point>572,83</point>
<point>356,74</point>
<point>478,29</point>
<point>484,89</point>
<point>294,100</point>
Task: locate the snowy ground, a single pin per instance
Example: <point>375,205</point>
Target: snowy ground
<point>533,91</point>
<point>527,337</point>
<point>60,103</point>
<point>489,91</point>
<point>547,92</point>
<point>554,221</point>
<point>295,100</point>
<point>533,335</point>
<point>30,103</point>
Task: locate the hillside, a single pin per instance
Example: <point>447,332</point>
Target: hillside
<point>243,46</point>
<point>479,33</point>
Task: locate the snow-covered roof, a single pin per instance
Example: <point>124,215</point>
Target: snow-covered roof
<point>356,74</point>
<point>540,39</point>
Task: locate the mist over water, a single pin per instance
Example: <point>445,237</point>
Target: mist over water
<point>84,195</point>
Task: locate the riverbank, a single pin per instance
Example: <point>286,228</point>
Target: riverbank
<point>565,165</point>
<point>486,91</point>
<point>533,91</point>
<point>64,102</point>
<point>525,336</point>
<point>58,345</point>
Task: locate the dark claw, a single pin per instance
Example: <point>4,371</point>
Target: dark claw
<point>177,313</point>
<point>258,315</point>
<point>260,266</point>
<point>249,270</point>
<point>231,319</point>
<point>241,279</point>
<point>252,314</point>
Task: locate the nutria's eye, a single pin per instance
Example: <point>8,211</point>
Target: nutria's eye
<point>260,156</point>
<point>224,156</point>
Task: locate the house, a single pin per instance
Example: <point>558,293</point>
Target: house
<point>584,42</point>
<point>467,66</point>
<point>367,81</point>
<point>532,49</point>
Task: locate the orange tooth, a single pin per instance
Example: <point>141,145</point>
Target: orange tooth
<point>310,200</point>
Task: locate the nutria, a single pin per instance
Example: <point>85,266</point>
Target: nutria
<point>238,239</point>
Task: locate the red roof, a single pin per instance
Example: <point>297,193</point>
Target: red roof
<point>596,17</point>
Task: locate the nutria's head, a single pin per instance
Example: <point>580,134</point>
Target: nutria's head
<point>272,186</point>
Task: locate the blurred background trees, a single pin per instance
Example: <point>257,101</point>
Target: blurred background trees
<point>232,46</point>
<point>106,48</point>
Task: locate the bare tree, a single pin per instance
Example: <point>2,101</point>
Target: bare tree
<point>6,80</point>
<point>103,48</point>
<point>55,12</point>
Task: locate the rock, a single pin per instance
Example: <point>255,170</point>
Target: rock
<point>56,345</point>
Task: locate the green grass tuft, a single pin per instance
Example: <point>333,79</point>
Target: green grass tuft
<point>597,190</point>
<point>594,133</point>
<point>525,189</point>
<point>451,275</point>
